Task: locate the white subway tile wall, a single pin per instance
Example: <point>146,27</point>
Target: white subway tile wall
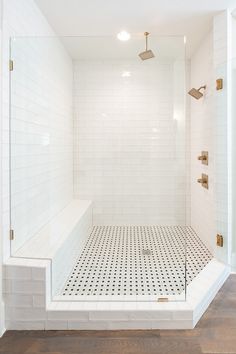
<point>203,218</point>
<point>42,123</point>
<point>222,119</point>
<point>129,134</point>
<point>209,132</point>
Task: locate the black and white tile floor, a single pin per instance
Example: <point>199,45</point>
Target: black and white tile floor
<point>137,260</point>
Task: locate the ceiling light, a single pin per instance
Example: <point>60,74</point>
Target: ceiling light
<point>126,74</point>
<point>123,36</point>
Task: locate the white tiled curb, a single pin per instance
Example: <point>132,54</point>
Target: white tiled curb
<point>28,305</point>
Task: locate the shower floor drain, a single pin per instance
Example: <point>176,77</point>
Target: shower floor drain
<point>146,252</point>
<point>137,260</point>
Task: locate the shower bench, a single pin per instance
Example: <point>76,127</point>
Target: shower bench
<point>61,240</point>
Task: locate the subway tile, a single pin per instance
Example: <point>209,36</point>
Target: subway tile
<point>56,325</point>
<point>25,325</point>
<point>24,287</point>
<point>39,301</point>
<point>28,314</point>
<point>150,315</point>
<point>92,325</point>
<point>16,300</point>
<point>68,315</point>
<point>126,325</point>
<point>109,315</point>
<point>17,272</point>
<point>38,274</point>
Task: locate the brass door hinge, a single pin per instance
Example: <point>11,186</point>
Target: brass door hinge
<point>11,235</point>
<point>219,84</point>
<point>219,240</point>
<point>11,65</point>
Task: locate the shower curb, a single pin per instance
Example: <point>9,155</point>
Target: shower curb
<point>27,294</point>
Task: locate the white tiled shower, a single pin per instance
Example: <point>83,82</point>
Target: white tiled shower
<point>101,116</point>
<point>130,139</point>
<point>131,164</point>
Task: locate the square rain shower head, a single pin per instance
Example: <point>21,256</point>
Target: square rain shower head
<point>148,54</point>
<point>195,93</point>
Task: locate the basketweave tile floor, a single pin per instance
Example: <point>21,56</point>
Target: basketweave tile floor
<point>137,260</point>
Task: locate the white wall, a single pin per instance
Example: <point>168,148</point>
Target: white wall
<point>202,139</point>
<point>223,129</point>
<point>130,141</point>
<point>42,138</point>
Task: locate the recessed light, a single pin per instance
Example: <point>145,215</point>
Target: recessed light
<point>126,74</point>
<point>123,36</point>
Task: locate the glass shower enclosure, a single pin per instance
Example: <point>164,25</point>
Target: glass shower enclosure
<point>91,121</point>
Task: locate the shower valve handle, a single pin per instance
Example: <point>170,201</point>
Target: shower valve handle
<point>203,181</point>
<point>202,157</point>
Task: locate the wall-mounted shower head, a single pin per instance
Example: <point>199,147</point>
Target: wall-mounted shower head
<point>147,54</point>
<point>196,93</point>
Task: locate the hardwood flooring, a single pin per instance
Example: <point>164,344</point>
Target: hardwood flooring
<point>215,333</point>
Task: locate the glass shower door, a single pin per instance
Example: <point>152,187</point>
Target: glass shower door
<point>105,126</point>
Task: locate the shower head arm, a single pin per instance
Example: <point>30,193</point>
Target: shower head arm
<point>202,87</point>
<point>146,35</point>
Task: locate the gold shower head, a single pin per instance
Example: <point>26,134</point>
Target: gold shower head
<point>196,93</point>
<point>147,54</point>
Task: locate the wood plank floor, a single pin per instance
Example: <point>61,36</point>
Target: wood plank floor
<point>215,333</point>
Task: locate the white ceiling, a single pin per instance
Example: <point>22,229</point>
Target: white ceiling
<point>90,48</point>
<point>192,18</point>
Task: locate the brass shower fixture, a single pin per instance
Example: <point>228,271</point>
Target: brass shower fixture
<point>219,240</point>
<point>196,93</point>
<point>219,84</point>
<point>203,157</point>
<point>147,54</point>
<point>203,181</point>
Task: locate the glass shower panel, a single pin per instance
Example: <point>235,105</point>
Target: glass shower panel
<point>91,121</point>
<point>40,135</point>
<point>233,159</point>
